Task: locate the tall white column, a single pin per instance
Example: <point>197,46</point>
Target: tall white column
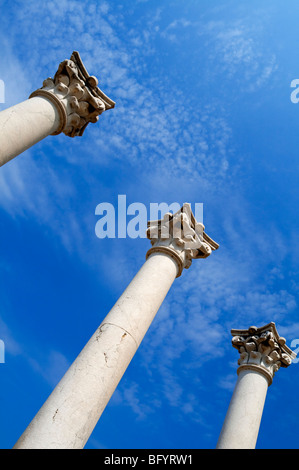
<point>67,103</point>
<point>262,353</point>
<point>68,417</point>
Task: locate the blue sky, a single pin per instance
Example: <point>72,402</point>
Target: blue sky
<point>203,115</point>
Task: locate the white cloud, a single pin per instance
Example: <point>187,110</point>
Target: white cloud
<point>11,345</point>
<point>235,46</point>
<point>228,382</point>
<point>238,52</point>
<point>164,137</point>
<point>49,364</point>
<point>151,126</point>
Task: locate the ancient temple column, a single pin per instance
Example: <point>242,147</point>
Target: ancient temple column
<point>67,103</point>
<point>262,353</point>
<point>68,417</point>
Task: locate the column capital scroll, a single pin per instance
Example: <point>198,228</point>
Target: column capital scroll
<point>180,236</point>
<point>262,349</point>
<point>76,95</point>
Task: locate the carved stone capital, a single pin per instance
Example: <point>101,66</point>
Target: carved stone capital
<point>180,236</point>
<point>262,349</point>
<point>76,95</point>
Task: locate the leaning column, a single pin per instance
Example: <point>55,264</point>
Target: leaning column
<point>262,353</point>
<point>67,103</point>
<point>68,417</point>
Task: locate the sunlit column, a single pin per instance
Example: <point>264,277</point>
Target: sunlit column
<point>68,417</point>
<point>67,103</point>
<point>262,353</point>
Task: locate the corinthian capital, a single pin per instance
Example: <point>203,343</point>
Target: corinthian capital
<point>76,95</point>
<point>180,236</point>
<point>262,349</point>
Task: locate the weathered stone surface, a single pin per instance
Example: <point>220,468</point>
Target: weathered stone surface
<point>68,417</point>
<point>76,95</point>
<point>26,124</point>
<point>262,349</point>
<point>262,353</point>
<point>179,235</point>
<point>67,103</point>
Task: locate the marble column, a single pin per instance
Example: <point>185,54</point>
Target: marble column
<point>262,353</point>
<point>68,417</point>
<point>67,103</point>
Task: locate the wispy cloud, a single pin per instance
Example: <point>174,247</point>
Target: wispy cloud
<point>11,345</point>
<point>235,47</point>
<point>223,292</point>
<point>239,54</point>
<point>174,145</point>
<point>49,364</point>
<point>151,125</point>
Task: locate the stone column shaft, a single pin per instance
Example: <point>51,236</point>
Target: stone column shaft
<point>25,124</point>
<point>242,422</point>
<point>262,353</point>
<point>67,103</point>
<point>68,417</point>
